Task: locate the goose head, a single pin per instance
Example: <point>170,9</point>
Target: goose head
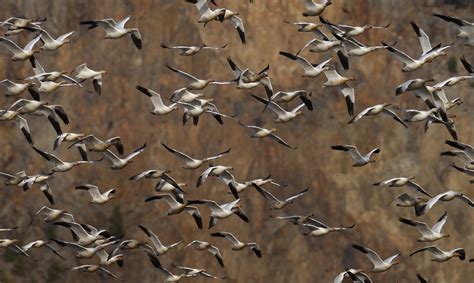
<point>460,253</point>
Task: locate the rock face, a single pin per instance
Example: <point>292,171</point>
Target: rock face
<point>340,194</point>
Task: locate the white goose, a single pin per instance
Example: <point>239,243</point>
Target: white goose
<point>259,132</point>
<point>379,264</point>
<point>319,229</point>
<point>446,196</point>
<point>159,107</point>
<point>198,107</point>
<point>52,215</point>
<point>97,196</point>
<point>13,179</point>
<point>14,89</point>
<point>94,144</point>
<point>205,246</point>
<point>196,272</point>
<point>178,207</point>
<point>314,8</point>
<point>93,268</point>
<point>159,249</point>
<point>58,164</point>
<point>157,174</point>
<point>41,75</point>
<point>41,180</point>
<point>310,70</point>
<point>400,182</point>
<point>184,95</point>
<point>465,28</point>
<point>428,234</point>
<point>377,109</point>
<point>238,245</point>
<point>284,116</point>
<point>466,148</point>
<point>359,159</point>
<point>20,54</point>
<point>349,31</point>
<point>287,96</point>
<point>192,163</point>
<point>191,50</point>
<point>8,115</point>
<point>357,275</point>
<point>51,43</point>
<point>119,163</point>
<point>359,49</point>
<point>206,14</point>
<point>115,30</point>
<point>81,251</point>
<point>82,73</point>
<point>442,256</point>
<point>307,26</point>
<point>197,84</point>
<point>237,23</point>
<point>85,234</point>
<point>222,211</point>
<point>276,203</point>
<point>340,82</point>
<point>12,245</point>
<point>406,200</point>
<point>40,244</point>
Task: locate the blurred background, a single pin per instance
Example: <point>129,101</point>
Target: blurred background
<point>340,194</point>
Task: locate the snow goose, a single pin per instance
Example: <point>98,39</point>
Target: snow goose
<point>184,95</point>
<point>14,89</point>
<point>259,132</point>
<point>177,207</point>
<point>340,82</point>
<point>359,159</point>
<point>284,116</point>
<point>94,144</point>
<point>192,163</point>
<point>429,52</point>
<point>51,43</point>
<point>356,48</point>
<point>205,246</point>
<point>12,245</point>
<point>41,75</point>
<point>468,162</point>
<point>241,82</point>
<point>206,14</point>
<point>400,182</point>
<point>159,249</point>
<point>406,200</point>
<point>97,196</point>
<point>198,107</point>
<point>240,187</point>
<point>466,148</point>
<point>8,115</point>
<point>349,31</point>
<point>222,211</point>
<point>58,164</point>
<point>276,203</point>
<point>238,245</point>
<point>13,179</point>
<point>52,215</point>
<point>298,219</point>
<point>287,96</point>
<point>20,54</point>
<point>67,137</point>
<point>191,50</point>
<point>164,186</point>
<point>413,115</point>
<point>82,252</point>
<point>237,23</point>
<point>41,180</point>
<point>310,70</point>
<point>446,196</point>
<point>93,268</point>
<point>156,174</point>
<point>159,107</point>
<point>377,109</point>
<point>314,8</point>
<point>465,28</point>
<point>307,26</point>
<point>119,163</point>
<point>250,76</point>
<point>379,264</point>
<point>442,256</point>
<point>318,229</point>
<point>222,172</point>
<point>197,84</point>
<point>428,234</point>
<point>420,90</point>
<point>357,275</point>
<point>169,277</point>
<point>82,73</point>
<point>114,30</point>
<point>20,23</point>
<point>40,244</point>
<point>196,272</point>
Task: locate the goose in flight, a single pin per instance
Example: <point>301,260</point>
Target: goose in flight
<point>240,187</point>
<point>340,82</point>
<point>72,137</point>
<point>8,115</point>
<point>446,196</point>
<point>314,8</point>
<point>206,14</point>
<point>318,229</point>
<point>114,30</point>
<point>157,174</point>
<point>221,211</point>
<point>85,234</point>
<point>356,48</point>
<point>465,28</point>
<point>12,245</point>
<point>307,26</point>
<point>357,275</point>
<point>413,115</point>
<point>14,89</point>
<point>406,200</point>
<point>177,207</point>
<point>82,73</point>
<point>222,172</point>
<point>159,107</point>
<point>13,179</point>
<point>205,246</point>
<point>192,163</point>
<point>259,132</point>
<point>191,50</point>
<point>359,159</point>
<point>349,31</point>
<point>196,108</point>
<point>119,163</point>
<point>40,244</point>
<point>238,245</point>
<point>310,70</point>
<point>249,76</point>
<point>50,43</point>
<point>377,109</point>
<point>276,203</point>
<point>58,164</point>
<point>20,54</point>
<point>41,180</point>
<point>442,256</point>
<point>428,234</point>
<point>197,84</point>
<point>97,196</point>
<point>284,116</point>
<point>94,144</point>
<point>83,252</point>
<point>299,219</point>
<point>400,182</point>
<point>18,24</point>
<point>466,148</point>
<point>237,23</point>
<point>468,162</point>
<point>192,272</point>
<point>163,187</point>
<point>93,268</point>
<point>379,264</point>
<point>170,277</point>
<point>52,215</point>
<point>43,77</point>
<point>159,249</point>
<point>183,95</point>
<point>287,96</point>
